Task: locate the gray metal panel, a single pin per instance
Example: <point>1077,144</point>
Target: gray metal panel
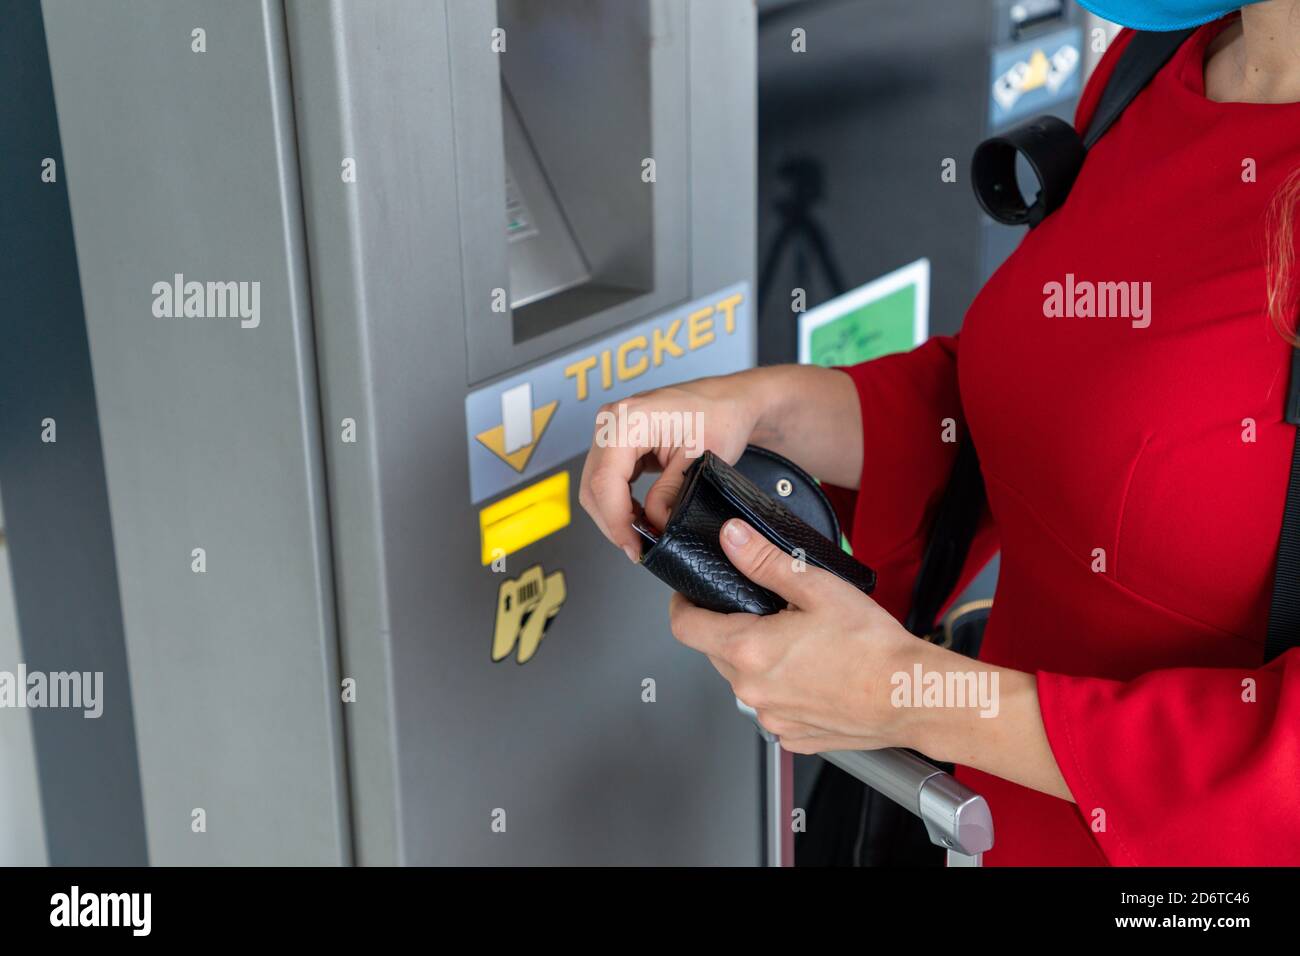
<point>184,162</point>
<point>544,256</point>
<point>585,771</point>
<point>476,94</point>
<point>22,827</point>
<point>723,143</point>
<point>586,75</point>
<point>386,267</point>
<point>60,543</point>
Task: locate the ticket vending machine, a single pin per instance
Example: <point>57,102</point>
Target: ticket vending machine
<point>357,276</point>
<point>1038,63</point>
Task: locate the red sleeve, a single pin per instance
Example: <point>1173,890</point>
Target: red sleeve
<point>1189,766</point>
<point>906,399</point>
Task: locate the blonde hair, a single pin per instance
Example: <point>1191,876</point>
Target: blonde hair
<point>1279,258</point>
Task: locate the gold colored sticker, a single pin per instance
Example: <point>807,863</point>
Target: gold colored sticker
<point>526,606</point>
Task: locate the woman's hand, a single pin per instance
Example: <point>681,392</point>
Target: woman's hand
<point>723,412</point>
<point>826,673</point>
<point>819,673</point>
<point>809,414</point>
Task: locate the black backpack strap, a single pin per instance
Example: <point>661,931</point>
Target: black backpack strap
<point>950,541</point>
<point>1144,57</point>
<point>964,498</point>
<point>1284,608</point>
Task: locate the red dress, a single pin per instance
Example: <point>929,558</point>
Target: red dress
<point>1159,450</point>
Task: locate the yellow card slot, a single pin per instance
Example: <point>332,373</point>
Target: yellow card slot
<point>513,523</point>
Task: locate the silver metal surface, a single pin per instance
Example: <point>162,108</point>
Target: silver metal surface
<point>600,87</point>
<point>22,826</point>
<point>778,799</point>
<point>69,786</point>
<point>544,256</point>
<point>955,816</point>
<point>583,769</point>
<point>332,557</point>
<point>185,162</point>
<point>778,794</point>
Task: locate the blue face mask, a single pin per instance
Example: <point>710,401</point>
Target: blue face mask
<point>1162,14</point>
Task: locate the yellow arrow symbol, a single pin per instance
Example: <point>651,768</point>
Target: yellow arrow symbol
<point>1037,75</point>
<point>494,439</point>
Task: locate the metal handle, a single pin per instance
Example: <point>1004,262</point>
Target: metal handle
<point>956,817</point>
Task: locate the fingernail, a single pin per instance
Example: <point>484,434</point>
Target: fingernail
<point>631,554</point>
<point>737,532</point>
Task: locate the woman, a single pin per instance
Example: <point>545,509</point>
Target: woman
<point>1136,470</point>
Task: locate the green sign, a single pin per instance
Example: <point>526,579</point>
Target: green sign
<point>884,316</point>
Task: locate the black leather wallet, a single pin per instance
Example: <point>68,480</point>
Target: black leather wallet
<point>688,556</point>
